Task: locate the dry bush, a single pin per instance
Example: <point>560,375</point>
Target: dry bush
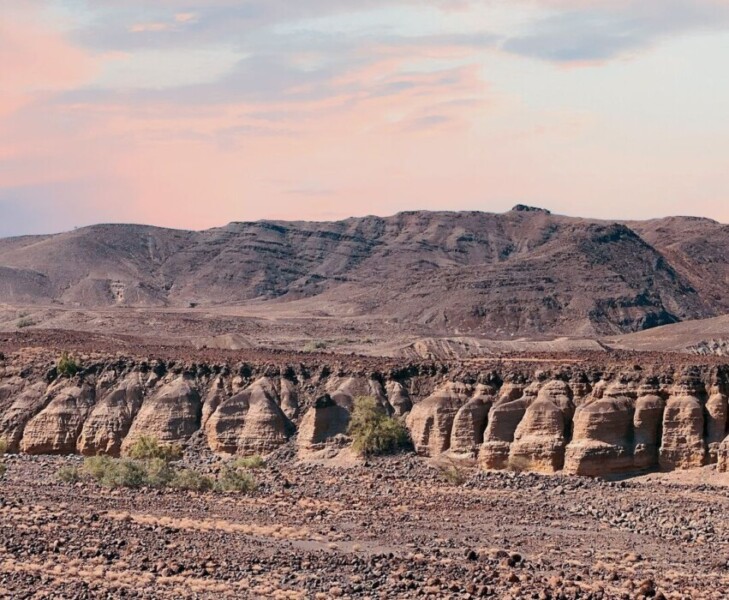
<point>451,472</point>
<point>373,431</point>
<point>69,474</point>
<point>250,462</point>
<point>189,479</point>
<point>147,447</point>
<point>235,479</point>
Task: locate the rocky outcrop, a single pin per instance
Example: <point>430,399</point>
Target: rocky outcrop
<point>647,425</point>
<point>55,430</point>
<point>683,445</point>
<point>503,420</point>
<point>399,398</point>
<point>602,439</point>
<point>542,434</point>
<point>716,422</point>
<point>583,421</point>
<point>111,418</point>
<point>345,390</point>
<point>218,391</point>
<point>469,423</point>
<point>289,399</point>
<point>28,402</point>
<point>172,414</point>
<point>431,421</point>
<point>250,422</point>
<point>324,424</point>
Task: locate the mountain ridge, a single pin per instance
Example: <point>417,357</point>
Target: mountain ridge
<point>523,272</point>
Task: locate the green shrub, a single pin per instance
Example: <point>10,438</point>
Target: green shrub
<point>69,474</point>
<point>373,431</point>
<point>67,365</point>
<point>235,479</point>
<point>125,473</point>
<point>250,462</point>
<point>158,472</point>
<point>25,322</point>
<point>189,479</point>
<point>147,447</point>
<point>97,466</point>
<point>3,446</point>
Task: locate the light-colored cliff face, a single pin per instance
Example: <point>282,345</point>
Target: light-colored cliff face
<point>602,440</point>
<point>541,436</point>
<point>431,421</point>
<point>683,445</point>
<point>469,424</point>
<point>647,424</point>
<point>57,427</point>
<point>250,422</point>
<point>325,423</point>
<point>171,414</point>
<point>588,423</point>
<point>23,406</point>
<point>112,416</point>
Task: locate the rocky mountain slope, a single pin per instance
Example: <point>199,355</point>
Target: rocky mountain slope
<point>522,273</point>
<point>586,415</point>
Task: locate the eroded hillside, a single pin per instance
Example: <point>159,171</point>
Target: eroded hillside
<point>525,272</point>
<point>587,414</point>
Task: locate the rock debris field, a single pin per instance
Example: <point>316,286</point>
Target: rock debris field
<point>398,527</point>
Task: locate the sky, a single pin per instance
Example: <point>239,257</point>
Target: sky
<point>193,114</point>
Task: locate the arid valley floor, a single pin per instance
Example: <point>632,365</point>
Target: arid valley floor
<point>393,528</point>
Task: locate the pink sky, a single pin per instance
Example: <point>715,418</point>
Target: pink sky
<point>196,114</point>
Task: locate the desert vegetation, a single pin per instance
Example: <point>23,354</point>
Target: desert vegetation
<point>67,365</point>
<point>373,431</point>
<point>151,464</point>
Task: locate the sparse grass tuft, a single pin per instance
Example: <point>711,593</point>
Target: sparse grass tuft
<point>452,473</point>
<point>315,345</point>
<point>67,365</point>
<point>250,462</point>
<point>373,431</point>
<point>3,469</point>
<point>69,474</point>
<point>235,479</point>
<point>147,448</point>
<point>3,446</point>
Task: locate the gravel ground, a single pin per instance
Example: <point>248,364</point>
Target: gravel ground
<point>390,528</point>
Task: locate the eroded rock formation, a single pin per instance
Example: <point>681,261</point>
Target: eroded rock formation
<point>582,420</point>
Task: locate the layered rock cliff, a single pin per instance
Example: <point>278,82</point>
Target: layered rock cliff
<point>579,416</point>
